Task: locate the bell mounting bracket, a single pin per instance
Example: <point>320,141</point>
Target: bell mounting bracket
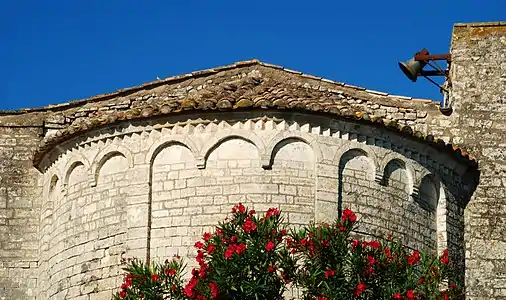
<point>423,55</point>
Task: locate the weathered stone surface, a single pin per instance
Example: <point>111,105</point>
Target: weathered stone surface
<point>174,156</point>
<point>478,96</point>
<point>100,200</point>
<point>20,209</point>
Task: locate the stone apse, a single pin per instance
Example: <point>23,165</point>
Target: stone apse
<point>145,171</point>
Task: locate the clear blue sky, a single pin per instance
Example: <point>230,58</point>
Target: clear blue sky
<point>56,51</point>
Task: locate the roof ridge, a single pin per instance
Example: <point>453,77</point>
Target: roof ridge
<point>206,72</point>
<point>480,24</point>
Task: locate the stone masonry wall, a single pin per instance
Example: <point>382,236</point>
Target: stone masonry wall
<point>149,186</point>
<point>151,189</point>
<point>88,196</point>
<point>478,96</point>
<point>20,191</point>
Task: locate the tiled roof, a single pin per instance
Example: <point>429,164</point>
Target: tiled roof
<point>281,89</point>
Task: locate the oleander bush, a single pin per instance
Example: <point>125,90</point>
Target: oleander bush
<point>257,257</point>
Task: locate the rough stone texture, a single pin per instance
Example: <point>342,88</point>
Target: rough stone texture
<point>144,171</point>
<point>478,95</point>
<point>242,86</point>
<point>172,179</point>
<point>19,213</point>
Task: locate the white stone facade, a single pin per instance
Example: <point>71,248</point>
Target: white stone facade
<point>151,189</point>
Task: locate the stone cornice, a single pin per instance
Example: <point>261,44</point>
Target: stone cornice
<point>240,87</point>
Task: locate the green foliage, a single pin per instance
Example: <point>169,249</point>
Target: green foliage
<point>335,266</point>
<point>251,257</point>
<point>154,282</point>
<point>245,257</point>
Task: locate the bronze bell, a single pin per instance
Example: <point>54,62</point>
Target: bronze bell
<point>412,68</point>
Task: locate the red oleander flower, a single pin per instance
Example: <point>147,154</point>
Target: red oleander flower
<point>199,245</point>
<point>397,295</point>
<point>414,258</point>
<point>188,289</point>
<point>271,268</point>
<point>239,208</point>
<point>348,214</point>
<point>271,212</point>
<point>287,281</point>
<point>249,225</point>
<point>410,294</point>
<point>252,212</point>
<point>355,243</point>
<point>388,253</point>
<point>207,236</point>
<point>444,258</point>
<point>230,251</point>
<point>322,298</point>
<point>359,289</point>
<point>122,294</point>
<point>374,244</point>
<point>329,273</point>
<point>203,271</point>
<point>270,245</point>
<point>371,260</point>
<point>200,257</point>
<point>214,289</point>
<point>240,248</point>
<point>154,277</point>
<point>211,248</point>
<point>445,295</point>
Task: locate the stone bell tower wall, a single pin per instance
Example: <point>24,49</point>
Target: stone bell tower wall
<point>20,202</point>
<point>478,96</point>
<point>153,187</point>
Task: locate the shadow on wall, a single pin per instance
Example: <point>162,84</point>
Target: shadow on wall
<point>355,168</point>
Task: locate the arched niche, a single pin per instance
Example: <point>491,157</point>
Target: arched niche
<point>54,188</point>
<point>77,173</point>
<point>172,170</point>
<point>110,160</point>
<point>284,138</point>
<point>112,163</point>
<point>429,193</point>
<point>233,150</point>
<point>397,176</point>
<point>168,141</point>
<point>172,156</point>
<point>223,138</point>
<point>293,153</point>
<point>356,174</point>
<point>356,163</point>
<point>432,198</point>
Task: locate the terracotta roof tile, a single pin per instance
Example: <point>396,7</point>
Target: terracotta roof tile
<point>293,91</point>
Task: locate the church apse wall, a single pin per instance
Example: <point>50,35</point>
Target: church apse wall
<point>145,171</point>
<point>151,189</point>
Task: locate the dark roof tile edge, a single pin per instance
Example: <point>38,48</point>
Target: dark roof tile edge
<point>458,153</point>
<point>197,74</point>
<point>481,24</point>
